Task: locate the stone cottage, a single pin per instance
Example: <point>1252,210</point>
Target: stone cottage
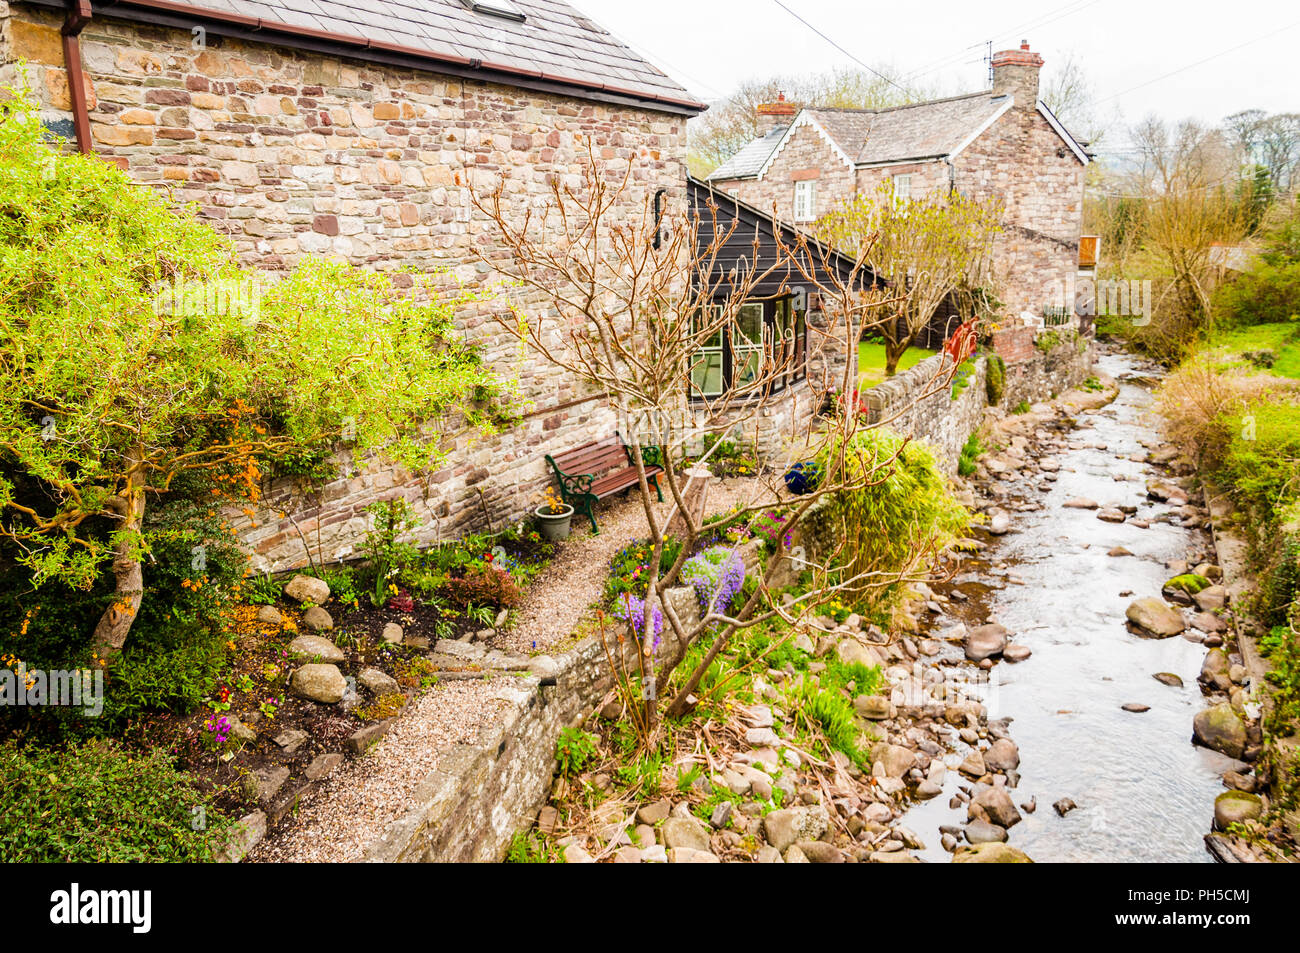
<point>1003,143</point>
<point>354,128</point>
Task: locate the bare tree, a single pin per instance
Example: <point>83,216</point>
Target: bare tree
<point>1070,95</point>
<point>733,122</point>
<point>633,298</point>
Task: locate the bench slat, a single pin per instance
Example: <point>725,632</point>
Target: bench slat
<point>618,480</point>
<point>592,461</point>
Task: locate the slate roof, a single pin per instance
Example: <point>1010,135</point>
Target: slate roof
<point>554,43</point>
<point>916,131</point>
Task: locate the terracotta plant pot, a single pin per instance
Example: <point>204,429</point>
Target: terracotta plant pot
<point>554,526</point>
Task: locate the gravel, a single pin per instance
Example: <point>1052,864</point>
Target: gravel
<point>575,579</point>
<point>349,811</point>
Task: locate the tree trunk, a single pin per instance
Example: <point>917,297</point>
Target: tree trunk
<point>113,626</point>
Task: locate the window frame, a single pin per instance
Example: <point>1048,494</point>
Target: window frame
<point>905,177</point>
<point>781,326</point>
<point>809,186</point>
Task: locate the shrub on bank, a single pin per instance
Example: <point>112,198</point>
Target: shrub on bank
<point>895,524</point>
<point>97,803</point>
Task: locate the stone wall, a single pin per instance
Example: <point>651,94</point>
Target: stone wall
<point>479,795</point>
<point>1048,373</point>
<point>1021,162</point>
<point>291,154</point>
<point>935,417</point>
<point>807,155</point>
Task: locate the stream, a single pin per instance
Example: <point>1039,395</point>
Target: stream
<point>1144,792</point>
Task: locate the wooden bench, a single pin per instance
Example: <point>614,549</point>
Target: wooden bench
<point>602,468</point>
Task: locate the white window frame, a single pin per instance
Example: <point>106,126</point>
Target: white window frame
<point>902,187</point>
<point>744,347</point>
<point>805,200</point>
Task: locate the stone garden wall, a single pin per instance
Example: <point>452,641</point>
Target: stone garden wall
<point>481,794</point>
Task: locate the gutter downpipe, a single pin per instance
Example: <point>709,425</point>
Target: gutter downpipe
<point>79,14</point>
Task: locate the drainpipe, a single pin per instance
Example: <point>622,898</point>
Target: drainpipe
<point>78,16</point>
<point>952,175</point>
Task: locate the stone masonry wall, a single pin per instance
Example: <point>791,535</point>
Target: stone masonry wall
<point>479,795</point>
<point>936,418</point>
<point>292,154</point>
<point>807,155</point>
<point>1024,164</point>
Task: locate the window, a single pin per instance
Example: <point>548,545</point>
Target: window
<point>902,188</point>
<point>496,8</point>
<point>765,336</point>
<point>706,365</point>
<point>805,201</point>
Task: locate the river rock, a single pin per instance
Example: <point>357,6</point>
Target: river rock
<point>985,641</point>
<point>377,682</point>
<point>314,647</point>
<point>1214,670</point>
<point>896,760</point>
<point>819,852</point>
<point>1000,523</point>
<point>307,589</point>
<point>1236,807</point>
<point>1136,708</point>
<point>1119,551</point>
<point>1152,617</point>
<point>982,832</point>
<point>1168,678</point>
<point>269,615</point>
<point>1111,515</point>
<point>320,683</point>
<point>1064,806</point>
<point>1220,729</point>
<point>784,827</point>
<point>973,765</point>
<point>997,805</point>
<point>685,832</point>
<point>1003,755</point>
<point>872,707</point>
<point>317,619</point>
<point>928,789</point>
<point>1211,598</point>
<point>992,853</point>
<point>1080,503</point>
<point>1016,653</point>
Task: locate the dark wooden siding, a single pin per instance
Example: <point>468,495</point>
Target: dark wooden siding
<point>754,240</point>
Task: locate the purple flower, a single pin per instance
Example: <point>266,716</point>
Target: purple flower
<point>632,611</point>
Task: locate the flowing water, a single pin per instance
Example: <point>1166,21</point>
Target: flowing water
<point>1144,792</point>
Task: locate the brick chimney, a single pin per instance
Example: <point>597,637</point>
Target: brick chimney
<point>1015,72</point>
<point>774,115</point>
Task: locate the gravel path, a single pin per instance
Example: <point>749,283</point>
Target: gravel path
<point>575,579</point>
<point>337,821</point>
<point>351,809</point>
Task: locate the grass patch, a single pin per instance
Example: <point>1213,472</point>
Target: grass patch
<point>871,362</point>
<point>1274,348</point>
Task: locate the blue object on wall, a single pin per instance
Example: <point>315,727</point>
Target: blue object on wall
<point>803,478</point>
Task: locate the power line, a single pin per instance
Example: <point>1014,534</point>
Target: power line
<point>1034,23</point>
<point>1215,56</point>
<point>904,91</point>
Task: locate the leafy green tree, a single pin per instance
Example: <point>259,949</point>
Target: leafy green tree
<point>139,360</point>
<point>927,248</point>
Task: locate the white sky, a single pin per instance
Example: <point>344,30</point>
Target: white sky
<point>1125,45</point>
